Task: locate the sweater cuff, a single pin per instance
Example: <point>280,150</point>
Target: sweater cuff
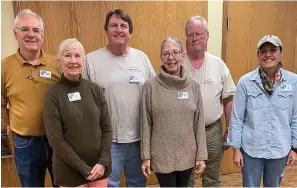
<point>145,156</point>
<point>201,158</point>
<point>86,170</point>
<point>103,162</point>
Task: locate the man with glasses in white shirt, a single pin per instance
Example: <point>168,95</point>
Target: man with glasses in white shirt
<point>217,89</point>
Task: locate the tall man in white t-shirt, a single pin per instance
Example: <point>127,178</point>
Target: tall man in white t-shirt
<point>121,71</point>
<point>217,89</point>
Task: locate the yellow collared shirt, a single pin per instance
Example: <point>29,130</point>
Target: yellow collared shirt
<point>22,88</point>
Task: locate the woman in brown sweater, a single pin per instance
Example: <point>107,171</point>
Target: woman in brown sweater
<point>77,123</point>
<point>172,129</point>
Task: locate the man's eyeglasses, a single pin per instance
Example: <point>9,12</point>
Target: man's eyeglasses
<point>199,35</point>
<point>26,30</point>
<point>166,55</point>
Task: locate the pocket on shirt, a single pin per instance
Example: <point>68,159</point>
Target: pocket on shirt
<point>284,100</point>
<point>255,100</point>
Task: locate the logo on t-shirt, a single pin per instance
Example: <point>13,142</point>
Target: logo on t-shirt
<point>135,69</point>
<point>208,81</point>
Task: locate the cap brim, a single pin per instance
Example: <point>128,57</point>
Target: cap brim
<point>271,42</point>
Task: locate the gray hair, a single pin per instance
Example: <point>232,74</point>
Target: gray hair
<point>174,39</point>
<point>28,12</point>
<point>200,18</point>
<point>69,44</point>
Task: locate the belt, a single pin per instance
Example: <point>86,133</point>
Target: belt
<point>208,126</point>
<point>30,137</point>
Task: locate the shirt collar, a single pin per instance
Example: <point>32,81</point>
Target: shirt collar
<point>40,61</point>
<point>255,75</point>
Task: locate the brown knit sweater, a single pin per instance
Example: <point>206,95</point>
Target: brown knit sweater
<point>78,131</point>
<point>172,129</point>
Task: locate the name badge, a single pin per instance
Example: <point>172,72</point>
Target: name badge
<point>286,87</point>
<point>74,96</point>
<point>182,95</point>
<point>45,74</point>
<point>133,79</point>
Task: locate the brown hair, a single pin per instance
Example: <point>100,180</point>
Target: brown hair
<point>122,15</point>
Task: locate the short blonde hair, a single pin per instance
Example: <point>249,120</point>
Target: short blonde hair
<point>69,44</point>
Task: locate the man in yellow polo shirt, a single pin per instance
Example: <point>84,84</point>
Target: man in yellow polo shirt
<point>25,76</point>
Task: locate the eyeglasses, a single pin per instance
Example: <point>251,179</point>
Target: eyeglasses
<point>197,34</point>
<point>166,55</point>
<point>26,30</point>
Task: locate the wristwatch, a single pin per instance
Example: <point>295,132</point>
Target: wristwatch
<point>294,149</point>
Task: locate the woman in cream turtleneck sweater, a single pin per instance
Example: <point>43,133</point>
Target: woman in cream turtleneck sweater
<point>173,138</point>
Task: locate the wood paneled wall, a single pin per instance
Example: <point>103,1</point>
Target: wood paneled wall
<point>248,22</point>
<point>84,20</point>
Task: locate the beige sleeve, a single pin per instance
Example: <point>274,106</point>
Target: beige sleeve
<point>146,122</point>
<point>200,135</point>
<point>228,84</point>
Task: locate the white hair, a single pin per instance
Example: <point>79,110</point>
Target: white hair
<point>28,12</point>
<point>174,39</point>
<point>200,18</point>
<point>69,44</point>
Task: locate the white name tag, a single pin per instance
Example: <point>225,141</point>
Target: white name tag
<point>74,96</point>
<point>286,87</point>
<point>45,74</point>
<point>182,95</point>
<point>133,79</point>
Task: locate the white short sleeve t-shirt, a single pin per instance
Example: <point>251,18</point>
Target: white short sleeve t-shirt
<point>216,84</point>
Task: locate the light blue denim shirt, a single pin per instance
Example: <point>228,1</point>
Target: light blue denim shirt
<point>264,126</point>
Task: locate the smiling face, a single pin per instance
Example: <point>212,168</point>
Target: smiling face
<point>172,56</point>
<point>269,56</point>
<point>71,62</point>
<point>28,33</point>
<point>118,31</point>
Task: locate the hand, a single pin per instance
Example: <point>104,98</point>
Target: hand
<point>96,172</point>
<point>237,158</point>
<point>292,159</point>
<point>146,168</point>
<point>225,135</point>
<point>199,167</point>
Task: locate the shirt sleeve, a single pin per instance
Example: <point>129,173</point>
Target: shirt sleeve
<point>199,128</point>
<point>4,99</point>
<point>55,136</point>
<point>150,70</point>
<point>146,122</point>
<point>86,74</point>
<point>237,116</point>
<point>228,84</point>
<point>106,140</point>
<point>294,120</point>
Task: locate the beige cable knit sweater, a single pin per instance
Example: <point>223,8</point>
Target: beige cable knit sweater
<point>172,129</point>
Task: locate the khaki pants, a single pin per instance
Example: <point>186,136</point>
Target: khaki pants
<point>214,139</point>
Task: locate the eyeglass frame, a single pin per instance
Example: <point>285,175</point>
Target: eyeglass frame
<point>171,53</point>
<point>29,30</point>
<point>198,34</point>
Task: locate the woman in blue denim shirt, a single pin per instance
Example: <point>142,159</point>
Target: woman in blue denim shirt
<point>263,125</point>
